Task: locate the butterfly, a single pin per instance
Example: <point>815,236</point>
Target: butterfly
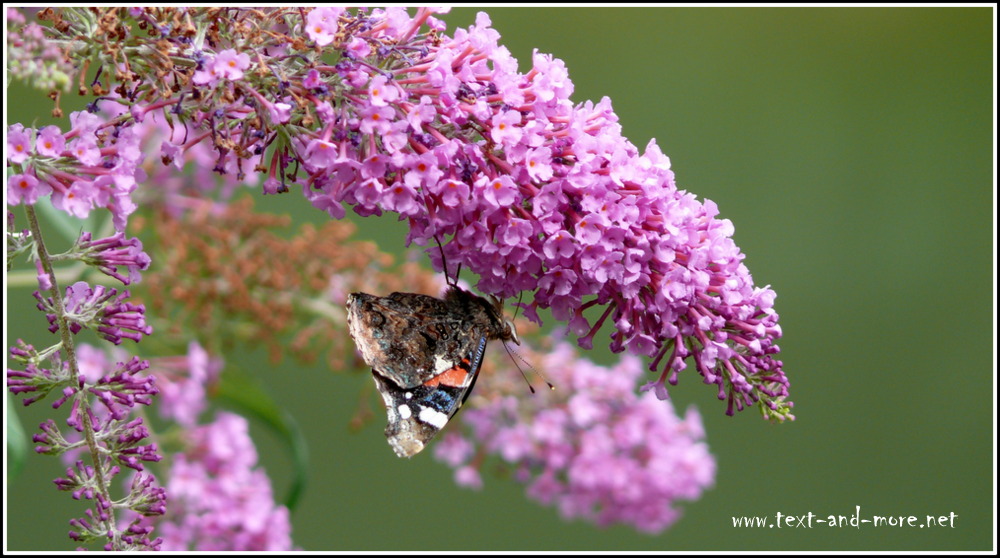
<point>425,354</point>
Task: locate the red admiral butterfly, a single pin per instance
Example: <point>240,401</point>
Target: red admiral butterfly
<point>425,355</point>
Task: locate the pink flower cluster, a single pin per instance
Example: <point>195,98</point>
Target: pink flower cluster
<point>532,192</point>
<point>101,170</point>
<point>219,498</point>
<point>108,254</point>
<point>122,441</point>
<point>535,193</point>
<point>100,308</point>
<point>592,447</point>
<point>183,383</point>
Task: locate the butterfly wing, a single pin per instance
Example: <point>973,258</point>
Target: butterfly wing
<point>417,414</point>
<point>408,338</point>
<point>425,355</point>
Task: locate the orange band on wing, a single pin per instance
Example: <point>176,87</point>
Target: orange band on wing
<point>453,377</point>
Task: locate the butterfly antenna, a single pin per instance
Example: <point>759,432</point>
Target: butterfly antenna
<point>514,354</point>
<point>444,265</point>
<point>518,366</point>
<point>517,306</point>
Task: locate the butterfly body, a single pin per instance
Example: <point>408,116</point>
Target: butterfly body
<point>425,354</point>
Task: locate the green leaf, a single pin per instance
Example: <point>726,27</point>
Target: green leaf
<point>17,443</point>
<point>246,394</point>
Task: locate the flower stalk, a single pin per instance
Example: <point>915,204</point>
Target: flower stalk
<point>69,354</point>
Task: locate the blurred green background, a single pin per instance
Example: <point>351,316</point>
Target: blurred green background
<point>853,150</point>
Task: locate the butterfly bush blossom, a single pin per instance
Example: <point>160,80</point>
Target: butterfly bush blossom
<point>592,448</point>
<point>530,191</point>
<point>536,194</point>
<point>379,111</point>
<point>219,498</point>
<point>100,403</point>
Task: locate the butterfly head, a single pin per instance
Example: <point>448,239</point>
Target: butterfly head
<point>507,330</point>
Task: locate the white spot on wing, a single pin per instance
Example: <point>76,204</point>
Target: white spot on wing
<point>441,365</point>
<point>404,411</point>
<point>437,419</point>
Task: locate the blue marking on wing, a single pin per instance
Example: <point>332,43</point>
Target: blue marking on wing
<point>477,360</point>
<point>440,400</point>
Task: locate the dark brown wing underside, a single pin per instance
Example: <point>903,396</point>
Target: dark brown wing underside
<point>409,338</point>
